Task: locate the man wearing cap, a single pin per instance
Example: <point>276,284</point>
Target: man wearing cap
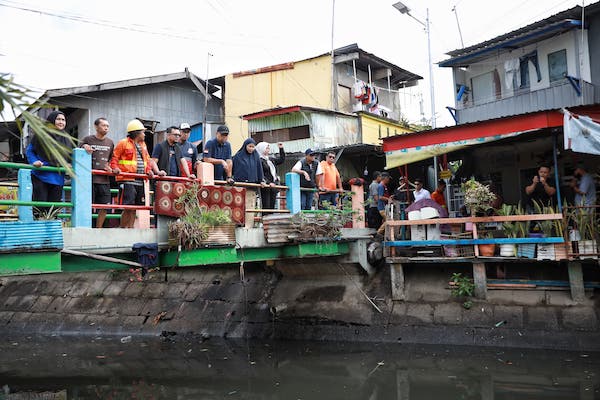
<point>218,153</point>
<point>585,191</point>
<point>131,155</point>
<point>188,150</point>
<point>420,192</point>
<point>169,157</point>
<point>308,168</point>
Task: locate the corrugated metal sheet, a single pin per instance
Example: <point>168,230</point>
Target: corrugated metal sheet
<point>283,121</point>
<point>554,97</point>
<point>334,130</point>
<point>36,235</point>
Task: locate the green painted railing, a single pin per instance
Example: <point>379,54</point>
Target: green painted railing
<point>35,203</point>
<point>5,164</point>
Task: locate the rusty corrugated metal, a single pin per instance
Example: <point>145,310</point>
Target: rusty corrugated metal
<point>36,235</point>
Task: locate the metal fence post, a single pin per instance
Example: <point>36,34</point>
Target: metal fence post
<point>81,189</point>
<point>292,196</point>
<point>25,193</point>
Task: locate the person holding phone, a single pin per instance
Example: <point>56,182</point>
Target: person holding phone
<point>541,190</point>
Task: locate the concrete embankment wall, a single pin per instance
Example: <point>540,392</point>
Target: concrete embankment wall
<point>293,301</point>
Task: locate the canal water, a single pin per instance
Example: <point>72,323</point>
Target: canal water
<point>195,368</point>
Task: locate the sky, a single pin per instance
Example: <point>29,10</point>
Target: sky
<point>64,43</point>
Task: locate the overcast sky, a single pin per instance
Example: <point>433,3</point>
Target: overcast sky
<point>66,43</point>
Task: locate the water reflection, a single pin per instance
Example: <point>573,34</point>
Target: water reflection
<point>105,368</point>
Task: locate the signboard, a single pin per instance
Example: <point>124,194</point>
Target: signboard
<point>445,174</point>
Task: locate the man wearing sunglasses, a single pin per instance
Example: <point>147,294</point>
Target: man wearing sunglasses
<point>168,156</point>
<point>330,183</point>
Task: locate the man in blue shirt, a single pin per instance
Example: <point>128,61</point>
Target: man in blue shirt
<point>218,153</point>
<point>585,191</point>
<point>188,150</point>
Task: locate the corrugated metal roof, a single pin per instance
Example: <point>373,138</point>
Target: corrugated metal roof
<point>36,235</point>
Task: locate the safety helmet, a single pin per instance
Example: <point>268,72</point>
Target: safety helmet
<point>135,125</point>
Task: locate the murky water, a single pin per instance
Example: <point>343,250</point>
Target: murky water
<point>106,368</point>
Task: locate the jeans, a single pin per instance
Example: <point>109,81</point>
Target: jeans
<point>331,198</point>
<point>306,199</point>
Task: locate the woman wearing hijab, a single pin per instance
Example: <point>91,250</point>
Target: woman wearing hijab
<point>48,185</point>
<point>246,164</point>
<point>268,195</point>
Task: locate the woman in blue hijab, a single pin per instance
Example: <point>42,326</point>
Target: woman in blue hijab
<point>246,164</point>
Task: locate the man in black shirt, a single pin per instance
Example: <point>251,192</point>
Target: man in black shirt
<point>541,190</point>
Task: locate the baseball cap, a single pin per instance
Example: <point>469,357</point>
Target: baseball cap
<point>184,125</point>
<point>309,151</point>
<point>223,129</point>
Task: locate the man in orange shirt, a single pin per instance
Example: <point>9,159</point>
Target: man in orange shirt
<point>438,194</point>
<point>330,183</point>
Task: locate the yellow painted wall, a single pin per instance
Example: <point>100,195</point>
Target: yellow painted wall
<point>371,125</point>
<point>307,84</point>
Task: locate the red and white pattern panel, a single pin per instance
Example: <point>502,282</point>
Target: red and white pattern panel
<point>229,198</point>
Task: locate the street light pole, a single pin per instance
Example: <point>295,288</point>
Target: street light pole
<point>405,10</point>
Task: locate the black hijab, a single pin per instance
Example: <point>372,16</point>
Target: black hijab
<point>247,166</point>
<point>62,141</point>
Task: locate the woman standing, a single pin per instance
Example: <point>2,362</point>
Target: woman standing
<point>268,195</point>
<point>246,164</point>
<point>48,185</point>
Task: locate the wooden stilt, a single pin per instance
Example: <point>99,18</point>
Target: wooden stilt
<point>397,278</point>
<point>576,281</point>
<point>480,280</point>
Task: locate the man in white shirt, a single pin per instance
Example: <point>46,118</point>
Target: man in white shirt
<point>420,192</point>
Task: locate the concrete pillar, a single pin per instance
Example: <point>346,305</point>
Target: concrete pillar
<point>142,217</point>
<point>292,197</point>
<point>25,193</point>
<point>358,206</point>
<point>576,281</point>
<point>480,280</point>
<point>397,278</point>
<point>206,174</point>
<point>81,189</point>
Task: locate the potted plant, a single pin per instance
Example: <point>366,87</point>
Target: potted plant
<point>198,227</point>
<point>478,199</point>
<point>545,251</point>
<point>526,250</point>
<point>510,230</point>
<point>586,225</point>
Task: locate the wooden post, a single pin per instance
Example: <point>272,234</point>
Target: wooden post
<point>576,281</point>
<point>397,278</point>
<point>81,189</point>
<point>358,206</point>
<point>25,193</point>
<point>480,280</point>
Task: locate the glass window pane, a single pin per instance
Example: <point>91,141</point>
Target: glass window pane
<point>557,65</point>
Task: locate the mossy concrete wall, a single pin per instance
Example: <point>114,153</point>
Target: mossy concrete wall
<point>321,301</point>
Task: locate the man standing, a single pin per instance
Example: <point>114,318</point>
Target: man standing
<point>308,168</point>
<point>131,155</point>
<point>438,194</point>
<point>383,198</point>
<point>373,217</point>
<point>541,189</point>
<point>218,153</point>
<point>167,155</point>
<point>420,192</point>
<point>101,148</point>
<point>330,183</point>
<point>188,150</point>
<point>585,191</point>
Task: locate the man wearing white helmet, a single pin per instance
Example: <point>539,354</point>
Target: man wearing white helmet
<point>131,155</point>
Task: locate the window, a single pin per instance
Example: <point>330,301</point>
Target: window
<point>524,70</point>
<point>282,135</point>
<point>557,65</point>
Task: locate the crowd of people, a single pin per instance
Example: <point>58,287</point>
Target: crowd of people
<point>540,190</point>
<point>176,156</point>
